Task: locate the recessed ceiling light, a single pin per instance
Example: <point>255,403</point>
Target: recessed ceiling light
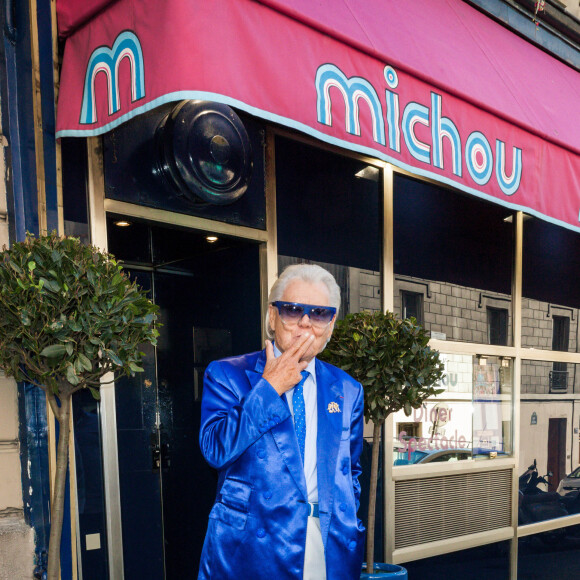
<point>122,223</point>
<point>211,239</point>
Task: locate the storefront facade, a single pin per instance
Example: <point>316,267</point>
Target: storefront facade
<point>209,145</point>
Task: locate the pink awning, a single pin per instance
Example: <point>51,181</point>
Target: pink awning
<point>72,14</point>
<point>433,86</point>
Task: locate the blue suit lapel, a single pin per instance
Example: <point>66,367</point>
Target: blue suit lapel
<point>329,399</point>
<point>283,433</point>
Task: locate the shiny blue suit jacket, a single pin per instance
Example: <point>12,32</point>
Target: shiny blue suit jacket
<point>257,526</point>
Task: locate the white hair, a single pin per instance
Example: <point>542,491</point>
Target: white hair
<point>310,273</point>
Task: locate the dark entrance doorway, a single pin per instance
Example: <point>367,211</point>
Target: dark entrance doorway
<point>209,298</point>
<point>556,451</point>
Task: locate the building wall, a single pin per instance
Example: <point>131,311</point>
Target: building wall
<point>573,7</point>
<point>534,437</point>
<point>16,537</point>
<point>452,311</point>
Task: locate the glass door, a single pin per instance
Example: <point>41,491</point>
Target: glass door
<point>208,291</point>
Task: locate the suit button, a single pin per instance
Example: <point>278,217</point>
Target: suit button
<point>276,418</point>
<point>261,532</point>
<point>271,423</point>
<point>261,428</point>
<point>267,495</point>
<point>342,507</point>
<point>261,453</point>
<point>345,469</point>
<point>351,545</point>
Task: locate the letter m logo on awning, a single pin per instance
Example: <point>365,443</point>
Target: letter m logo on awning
<point>107,60</point>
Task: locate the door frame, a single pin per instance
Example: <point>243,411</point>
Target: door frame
<point>98,207</point>
<point>557,429</point>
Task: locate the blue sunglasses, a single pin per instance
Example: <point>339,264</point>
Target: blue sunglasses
<point>292,313</point>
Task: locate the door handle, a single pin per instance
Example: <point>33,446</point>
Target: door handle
<point>155,453</point>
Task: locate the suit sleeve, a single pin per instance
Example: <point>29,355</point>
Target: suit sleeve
<point>356,443</point>
<point>232,421</point>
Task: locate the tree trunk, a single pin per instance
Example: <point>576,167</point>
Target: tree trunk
<point>373,498</point>
<point>58,494</point>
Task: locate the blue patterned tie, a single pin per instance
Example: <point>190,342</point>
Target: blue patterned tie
<point>300,413</point>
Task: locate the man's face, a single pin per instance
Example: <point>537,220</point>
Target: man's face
<point>287,334</point>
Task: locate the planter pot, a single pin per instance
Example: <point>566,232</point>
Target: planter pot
<point>385,572</point>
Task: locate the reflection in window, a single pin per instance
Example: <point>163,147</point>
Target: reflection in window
<point>549,555</point>
<point>328,209</point>
<point>550,280</point>
<point>456,251</point>
<point>492,388</point>
<point>481,563</point>
<point>470,419</point>
<point>549,426</point>
<point>538,377</point>
<point>560,341</point>
<point>559,378</point>
<point>560,333</point>
<point>328,212</point>
<point>412,305</point>
<point>497,324</point>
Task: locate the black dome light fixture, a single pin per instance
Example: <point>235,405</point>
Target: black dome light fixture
<point>204,152</point>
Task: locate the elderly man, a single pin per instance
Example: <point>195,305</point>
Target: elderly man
<point>285,432</point>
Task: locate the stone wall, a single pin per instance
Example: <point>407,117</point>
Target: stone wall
<point>453,312</point>
<point>536,378</point>
<point>537,324</point>
<point>572,6</point>
<point>460,313</point>
<point>16,537</point>
<point>16,547</point>
<point>369,290</point>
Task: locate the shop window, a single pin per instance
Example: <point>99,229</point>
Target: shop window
<point>483,562</point>
<point>538,378</point>
<point>471,418</point>
<point>497,325</point>
<point>550,279</point>
<point>412,305</point>
<point>457,250</point>
<point>552,554</point>
<point>328,209</point>
<point>74,189</point>
<point>411,429</point>
<point>548,432</point>
<point>560,341</point>
<point>560,333</point>
<point>559,378</point>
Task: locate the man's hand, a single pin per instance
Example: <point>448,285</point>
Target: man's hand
<point>283,372</point>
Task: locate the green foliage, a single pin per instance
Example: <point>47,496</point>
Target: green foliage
<point>68,315</point>
<point>389,357</point>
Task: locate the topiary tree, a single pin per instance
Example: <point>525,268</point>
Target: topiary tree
<point>68,316</point>
<point>397,369</point>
